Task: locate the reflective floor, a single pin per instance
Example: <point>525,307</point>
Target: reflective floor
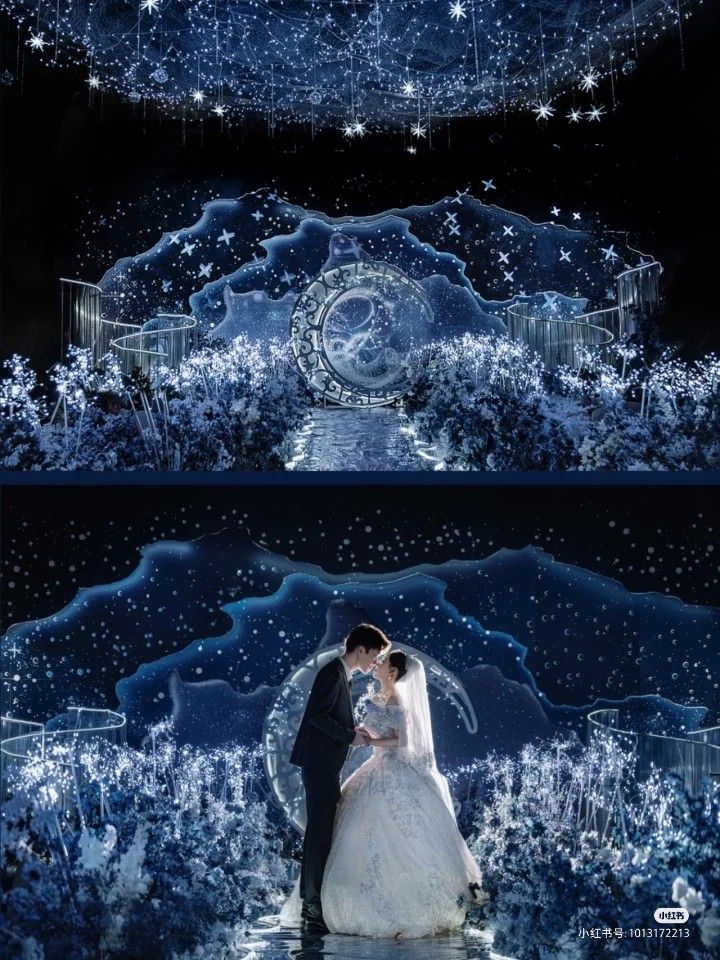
<point>333,438</point>
<point>269,941</point>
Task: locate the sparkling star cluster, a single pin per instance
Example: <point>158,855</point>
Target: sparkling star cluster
<point>362,66</point>
<point>224,607</point>
<point>261,241</point>
<point>168,564</point>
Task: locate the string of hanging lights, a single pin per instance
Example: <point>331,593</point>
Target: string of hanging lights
<point>363,66</point>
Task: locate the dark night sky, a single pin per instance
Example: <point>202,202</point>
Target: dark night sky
<point>651,166</point>
<point>57,539</point>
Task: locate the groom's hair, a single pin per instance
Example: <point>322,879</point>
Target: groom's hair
<point>366,635</point>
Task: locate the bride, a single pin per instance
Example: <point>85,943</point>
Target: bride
<point>398,865</point>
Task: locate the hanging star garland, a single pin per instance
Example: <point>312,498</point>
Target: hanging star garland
<point>390,62</point>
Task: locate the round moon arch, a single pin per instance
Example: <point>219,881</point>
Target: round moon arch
<point>283,720</point>
<point>353,328</point>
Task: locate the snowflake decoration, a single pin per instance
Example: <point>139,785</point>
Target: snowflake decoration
<point>589,80</point>
<point>458,11</point>
<point>543,111</point>
<point>356,128</point>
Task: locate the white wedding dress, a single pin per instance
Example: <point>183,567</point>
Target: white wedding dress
<point>398,862</point>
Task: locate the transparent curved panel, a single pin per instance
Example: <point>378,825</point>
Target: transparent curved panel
<point>28,748</point>
<point>694,758</point>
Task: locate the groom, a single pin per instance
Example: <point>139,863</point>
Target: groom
<point>326,733</point>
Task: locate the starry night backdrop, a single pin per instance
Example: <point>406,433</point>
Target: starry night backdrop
<point>97,179</point>
<point>542,601</point>
<point>197,603</point>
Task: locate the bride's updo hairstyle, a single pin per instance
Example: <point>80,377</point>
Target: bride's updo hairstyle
<point>398,660</point>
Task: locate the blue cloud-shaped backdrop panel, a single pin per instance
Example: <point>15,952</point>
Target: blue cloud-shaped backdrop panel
<point>242,265</point>
<point>547,639</point>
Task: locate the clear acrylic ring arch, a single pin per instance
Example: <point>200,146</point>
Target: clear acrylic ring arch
<point>282,722</point>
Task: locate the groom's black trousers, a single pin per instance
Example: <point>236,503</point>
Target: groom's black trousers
<point>322,792</point>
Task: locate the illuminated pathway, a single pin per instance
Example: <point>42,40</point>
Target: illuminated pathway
<point>359,439</point>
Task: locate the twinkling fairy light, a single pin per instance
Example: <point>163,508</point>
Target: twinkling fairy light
<point>371,65</point>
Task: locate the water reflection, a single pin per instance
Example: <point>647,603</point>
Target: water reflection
<point>270,941</point>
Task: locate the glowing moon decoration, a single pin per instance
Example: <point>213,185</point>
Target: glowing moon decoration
<point>353,329</point>
<point>283,721</point>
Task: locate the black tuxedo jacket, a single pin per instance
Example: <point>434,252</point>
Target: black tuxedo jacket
<point>328,727</point>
